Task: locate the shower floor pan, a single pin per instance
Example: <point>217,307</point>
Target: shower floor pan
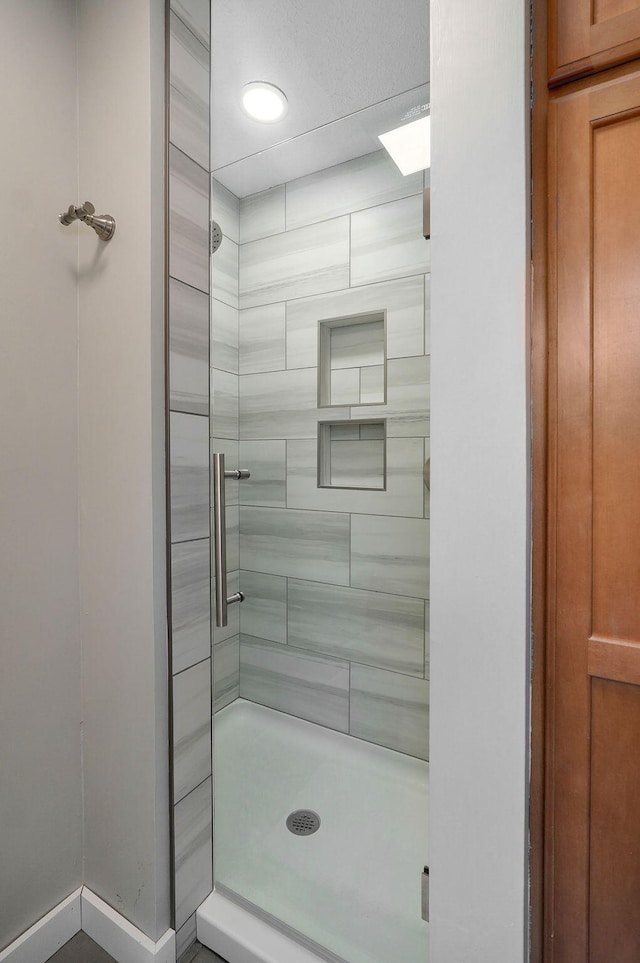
<point>353,886</point>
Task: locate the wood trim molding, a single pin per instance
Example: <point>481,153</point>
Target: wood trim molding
<point>614,659</point>
<point>586,37</point>
<point>588,66</point>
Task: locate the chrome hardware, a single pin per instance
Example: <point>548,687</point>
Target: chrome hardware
<point>220,537</point>
<point>425,894</point>
<point>426,213</point>
<point>103,224</point>
<point>237,473</point>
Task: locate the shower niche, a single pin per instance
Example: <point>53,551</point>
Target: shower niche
<point>352,454</point>
<point>352,360</point>
<point>352,370</point>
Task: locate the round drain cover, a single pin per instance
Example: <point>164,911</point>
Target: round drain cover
<point>303,822</point>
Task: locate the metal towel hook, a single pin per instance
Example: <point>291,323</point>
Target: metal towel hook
<point>103,224</point>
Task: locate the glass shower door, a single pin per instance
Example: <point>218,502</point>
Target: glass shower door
<point>320,389</point>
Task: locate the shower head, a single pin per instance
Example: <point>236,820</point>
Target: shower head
<point>215,237</point>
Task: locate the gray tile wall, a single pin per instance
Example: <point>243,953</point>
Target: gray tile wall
<point>189,432</point>
<point>334,628</point>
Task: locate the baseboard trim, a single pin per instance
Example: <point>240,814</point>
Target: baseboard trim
<point>120,938</point>
<point>83,910</point>
<point>45,937</point>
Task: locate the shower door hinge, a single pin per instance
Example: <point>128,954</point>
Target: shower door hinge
<point>425,894</point>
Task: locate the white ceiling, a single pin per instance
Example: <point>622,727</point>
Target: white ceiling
<point>332,58</point>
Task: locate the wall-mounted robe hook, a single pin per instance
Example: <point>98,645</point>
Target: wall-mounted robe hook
<point>103,224</point>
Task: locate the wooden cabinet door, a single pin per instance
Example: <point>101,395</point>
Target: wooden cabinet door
<point>593,683</point>
<point>588,35</point>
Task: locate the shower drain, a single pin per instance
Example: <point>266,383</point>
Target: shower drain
<point>303,822</point>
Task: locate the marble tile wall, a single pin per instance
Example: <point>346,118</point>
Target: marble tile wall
<point>188,91</point>
<point>293,264</point>
<point>369,627</point>
<point>334,628</point>
<point>190,603</point>
<point>188,441</point>
<point>193,829</point>
<point>191,728</point>
<point>300,682</point>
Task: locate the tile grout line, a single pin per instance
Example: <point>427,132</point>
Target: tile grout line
<point>193,665</point>
<point>187,541</point>
<point>338,585</point>
<point>310,367</point>
<point>336,291</point>
<point>191,31</point>
<point>333,511</point>
<point>198,786</point>
<point>301,651</point>
<point>184,154</point>
<point>194,414</point>
<point>192,287</point>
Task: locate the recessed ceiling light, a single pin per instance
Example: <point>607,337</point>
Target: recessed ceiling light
<point>410,145</point>
<point>264,102</point>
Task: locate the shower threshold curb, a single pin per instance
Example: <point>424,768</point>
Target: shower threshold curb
<point>240,937</point>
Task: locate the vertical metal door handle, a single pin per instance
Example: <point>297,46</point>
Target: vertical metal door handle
<point>220,537</point>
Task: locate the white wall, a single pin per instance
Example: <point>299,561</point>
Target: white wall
<point>40,788</point>
<point>122,496</point>
<point>82,467</point>
<point>479,482</point>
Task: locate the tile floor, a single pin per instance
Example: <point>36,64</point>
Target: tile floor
<point>200,954</point>
<point>82,949</point>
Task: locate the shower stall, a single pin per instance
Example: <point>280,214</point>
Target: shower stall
<point>298,347</point>
<point>314,545</point>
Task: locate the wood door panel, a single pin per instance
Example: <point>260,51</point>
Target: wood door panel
<point>586,36</point>
<point>615,824</point>
<point>616,380</point>
<point>594,505</point>
<point>604,10</point>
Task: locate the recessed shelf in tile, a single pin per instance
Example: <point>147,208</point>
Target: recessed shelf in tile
<point>352,454</point>
<point>352,360</point>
